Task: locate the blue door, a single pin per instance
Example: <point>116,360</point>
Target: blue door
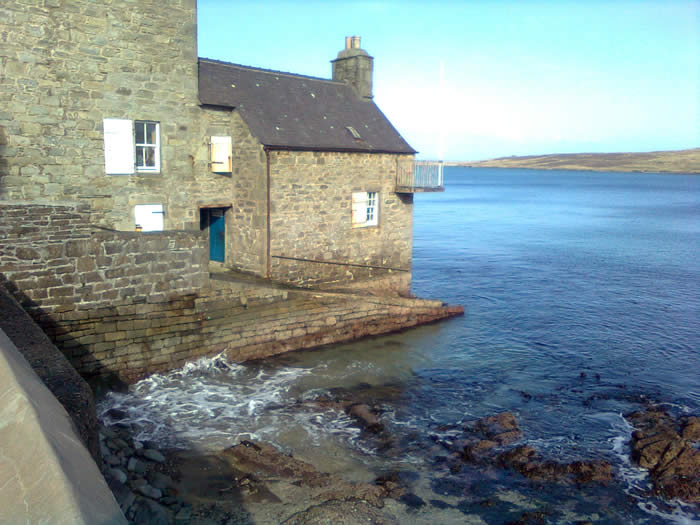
<point>217,235</point>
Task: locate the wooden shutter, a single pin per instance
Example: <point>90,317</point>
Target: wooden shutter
<point>359,209</point>
<point>221,155</point>
<point>119,146</point>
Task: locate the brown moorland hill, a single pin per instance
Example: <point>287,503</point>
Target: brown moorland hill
<point>682,161</point>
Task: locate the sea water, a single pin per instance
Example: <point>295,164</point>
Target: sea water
<point>582,297</point>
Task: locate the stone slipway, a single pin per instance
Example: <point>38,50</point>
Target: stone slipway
<point>46,473</point>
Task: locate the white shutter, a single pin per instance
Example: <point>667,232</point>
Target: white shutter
<point>119,146</point>
<point>359,209</point>
<point>221,154</point>
<point>149,217</point>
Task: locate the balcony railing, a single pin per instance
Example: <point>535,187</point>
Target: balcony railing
<point>420,176</point>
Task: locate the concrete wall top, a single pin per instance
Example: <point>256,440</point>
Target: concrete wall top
<point>46,473</point>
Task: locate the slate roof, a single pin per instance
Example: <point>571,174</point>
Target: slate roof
<point>290,111</point>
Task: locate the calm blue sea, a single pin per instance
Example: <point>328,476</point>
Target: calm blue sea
<point>582,297</point>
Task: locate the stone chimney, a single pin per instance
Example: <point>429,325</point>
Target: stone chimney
<point>354,66</point>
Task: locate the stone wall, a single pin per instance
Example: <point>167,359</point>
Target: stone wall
<point>56,262</point>
<point>65,65</point>
<point>136,340</point>
<point>311,211</point>
<point>246,224</point>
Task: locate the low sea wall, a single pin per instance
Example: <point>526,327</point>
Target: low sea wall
<point>52,367</point>
<point>46,473</point>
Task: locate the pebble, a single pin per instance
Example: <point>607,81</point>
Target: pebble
<point>118,474</point>
<point>149,491</point>
<point>143,494</point>
<point>112,460</point>
<point>135,465</point>
<point>108,433</point>
<point>160,481</point>
<point>120,443</point>
<point>153,455</point>
<point>184,516</point>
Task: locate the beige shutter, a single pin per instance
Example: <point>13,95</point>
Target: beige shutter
<point>359,209</point>
<point>119,146</point>
<point>221,155</point>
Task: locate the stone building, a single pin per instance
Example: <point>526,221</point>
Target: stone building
<point>294,178</point>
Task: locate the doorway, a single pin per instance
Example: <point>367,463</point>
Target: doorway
<point>214,220</point>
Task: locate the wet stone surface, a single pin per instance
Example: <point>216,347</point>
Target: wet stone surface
<point>668,448</point>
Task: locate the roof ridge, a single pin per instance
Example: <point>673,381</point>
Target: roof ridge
<point>269,71</point>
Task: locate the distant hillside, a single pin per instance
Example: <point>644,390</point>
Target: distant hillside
<point>683,161</point>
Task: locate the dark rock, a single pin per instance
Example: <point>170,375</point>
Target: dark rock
<point>118,474</point>
<point>159,480</point>
<point>412,501</point>
<point>439,504</point>
<point>502,428</point>
<point>668,449</point>
<point>524,460</point>
<point>153,455</point>
<point>392,485</point>
<point>148,511</point>
<point>108,433</point>
<point>184,515</point>
<point>148,491</point>
<point>530,518</point>
<point>120,443</point>
<point>366,417</point>
<point>112,460</point>
<point>116,413</point>
<point>137,466</point>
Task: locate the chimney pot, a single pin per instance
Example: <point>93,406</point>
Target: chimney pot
<point>355,43</point>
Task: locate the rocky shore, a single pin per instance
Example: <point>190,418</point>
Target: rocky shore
<point>254,482</point>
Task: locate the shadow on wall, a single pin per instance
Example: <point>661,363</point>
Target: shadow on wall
<point>61,340</point>
<point>50,365</point>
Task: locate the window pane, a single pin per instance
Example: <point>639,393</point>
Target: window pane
<point>138,127</point>
<point>139,156</point>
<point>150,156</point>
<point>150,133</point>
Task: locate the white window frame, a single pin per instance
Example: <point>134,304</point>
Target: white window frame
<point>121,148</point>
<point>146,145</point>
<point>365,209</point>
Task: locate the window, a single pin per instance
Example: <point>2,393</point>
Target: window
<point>131,146</point>
<point>147,142</point>
<point>365,209</point>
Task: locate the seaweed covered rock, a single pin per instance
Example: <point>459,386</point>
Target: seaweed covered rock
<point>667,447</point>
<point>524,459</point>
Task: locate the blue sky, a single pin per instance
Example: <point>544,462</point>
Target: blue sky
<point>469,80</point>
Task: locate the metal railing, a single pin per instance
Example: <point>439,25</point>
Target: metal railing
<point>420,175</point>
